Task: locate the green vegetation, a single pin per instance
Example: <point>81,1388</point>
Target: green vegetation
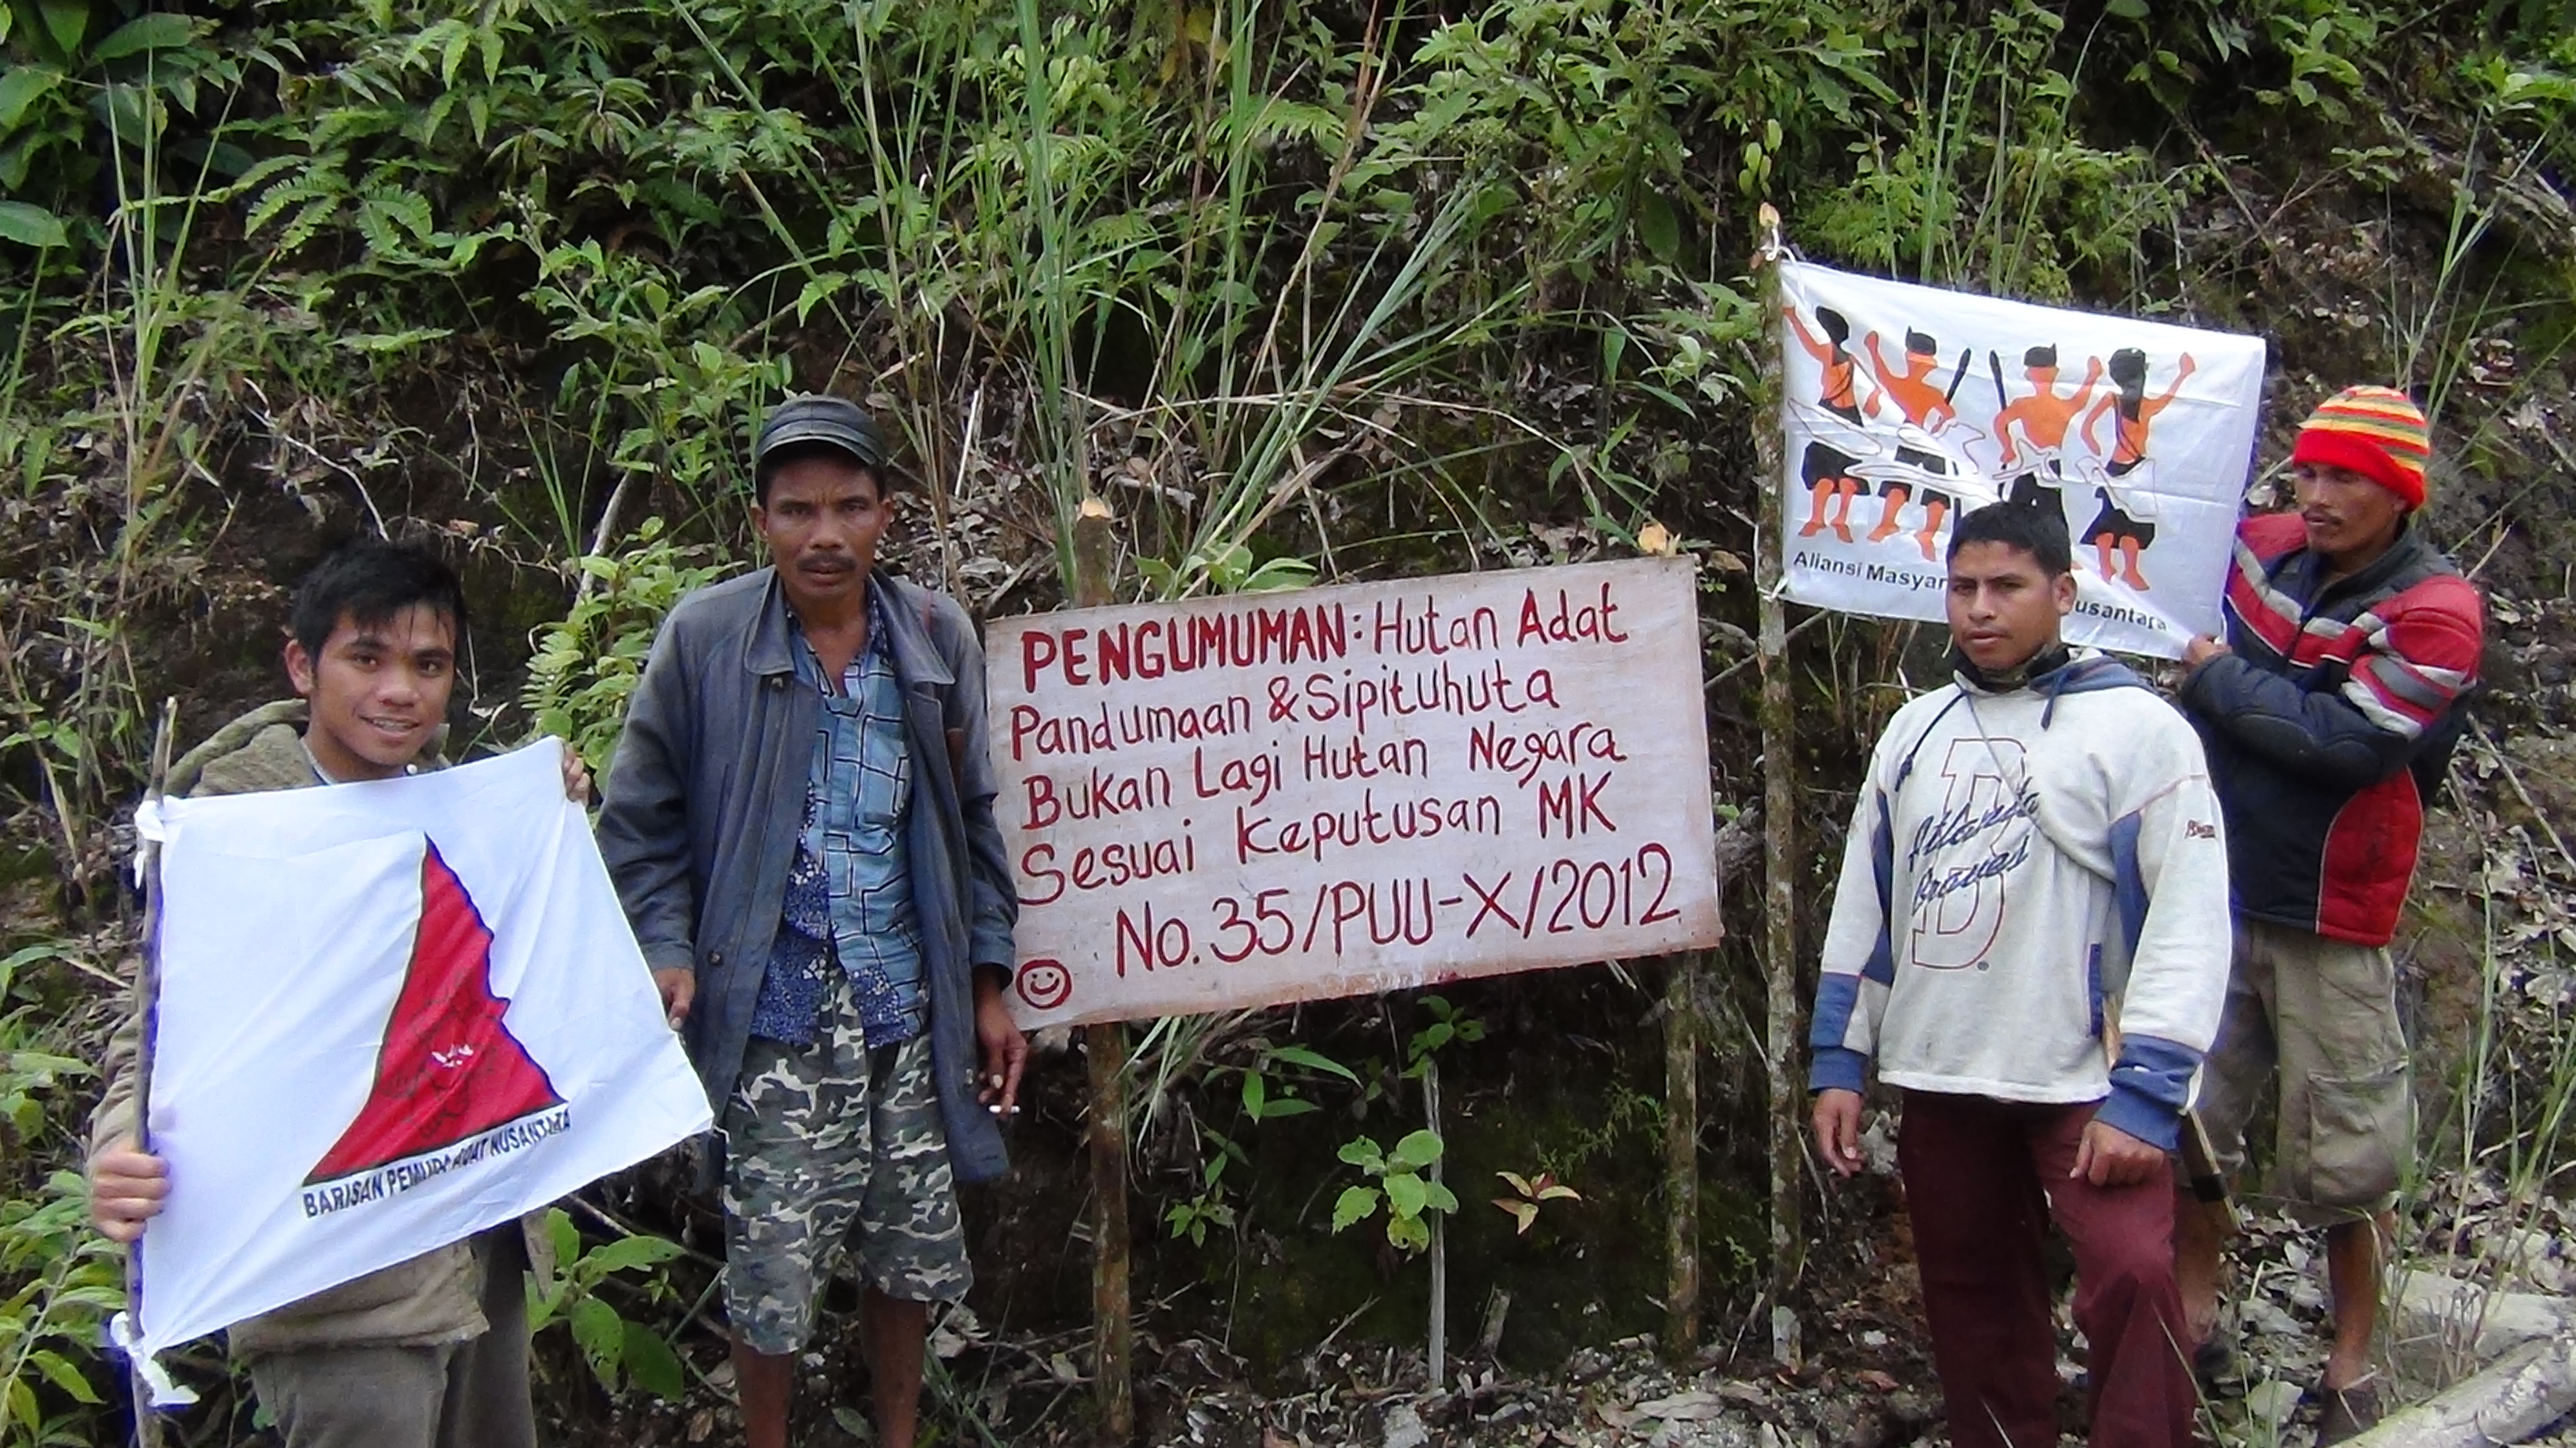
<point>1304,291</point>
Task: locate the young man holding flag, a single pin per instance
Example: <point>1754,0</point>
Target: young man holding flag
<point>2329,712</point>
<point>432,1352</point>
<point>2027,940</point>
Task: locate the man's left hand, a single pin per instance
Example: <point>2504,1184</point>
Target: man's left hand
<point>2202,649</point>
<point>576,776</point>
<point>1006,1049</point>
<point>2110,1157</point>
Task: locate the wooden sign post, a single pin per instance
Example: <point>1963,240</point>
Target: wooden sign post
<point>1780,838</point>
<point>1250,800</point>
<point>1095,564</point>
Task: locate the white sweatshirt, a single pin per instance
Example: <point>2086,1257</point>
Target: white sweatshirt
<point>2016,860</point>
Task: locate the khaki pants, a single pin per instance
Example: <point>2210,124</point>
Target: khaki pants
<point>2324,1014</point>
<point>471,1394</point>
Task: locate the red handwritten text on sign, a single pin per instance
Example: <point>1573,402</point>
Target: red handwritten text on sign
<point>1285,796</point>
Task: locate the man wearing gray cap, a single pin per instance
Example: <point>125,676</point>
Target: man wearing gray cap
<point>799,819</point>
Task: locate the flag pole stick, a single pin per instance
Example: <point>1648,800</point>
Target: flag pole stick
<point>1779,813</point>
<point>147,998</point>
<point>1104,1046</point>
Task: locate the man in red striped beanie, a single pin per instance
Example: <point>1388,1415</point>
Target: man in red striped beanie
<point>2329,713</point>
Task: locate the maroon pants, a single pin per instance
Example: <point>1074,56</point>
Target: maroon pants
<point>1983,1178</point>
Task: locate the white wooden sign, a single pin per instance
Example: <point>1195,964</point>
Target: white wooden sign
<point>1286,796</point>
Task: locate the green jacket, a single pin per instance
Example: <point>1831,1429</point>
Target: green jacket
<point>435,1297</point>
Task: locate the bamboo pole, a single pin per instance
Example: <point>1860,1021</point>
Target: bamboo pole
<point>1779,819</point>
<point>1681,1156</point>
<point>1095,564</point>
<point>147,1000</point>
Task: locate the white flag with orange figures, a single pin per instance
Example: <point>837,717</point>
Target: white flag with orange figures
<point>391,1015</point>
<point>1906,405</point>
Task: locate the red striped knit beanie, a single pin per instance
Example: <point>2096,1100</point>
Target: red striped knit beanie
<point>2375,431</point>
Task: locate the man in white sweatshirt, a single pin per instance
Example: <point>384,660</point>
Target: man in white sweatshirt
<point>2030,938</point>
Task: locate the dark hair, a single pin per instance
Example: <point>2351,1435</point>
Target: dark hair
<point>2129,368</point>
<point>368,582</point>
<point>2039,532</point>
<point>2040,357</point>
<point>766,470</point>
<point>1920,343</point>
<point>1834,324</point>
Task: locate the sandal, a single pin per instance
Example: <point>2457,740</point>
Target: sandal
<point>2219,1368</point>
<point>2349,1411</point>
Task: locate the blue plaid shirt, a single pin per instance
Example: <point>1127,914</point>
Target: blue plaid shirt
<point>849,892</point>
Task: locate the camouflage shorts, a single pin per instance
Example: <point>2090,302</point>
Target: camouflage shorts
<point>819,1140</point>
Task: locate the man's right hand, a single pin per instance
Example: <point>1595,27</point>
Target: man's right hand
<point>126,1188</point>
<point>679,986</point>
<point>1838,1130</point>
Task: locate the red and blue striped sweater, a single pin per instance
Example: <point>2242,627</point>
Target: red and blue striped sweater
<point>2331,723</point>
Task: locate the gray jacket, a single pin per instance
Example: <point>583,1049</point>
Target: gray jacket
<point>706,797</point>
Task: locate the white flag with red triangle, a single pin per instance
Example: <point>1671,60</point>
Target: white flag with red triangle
<point>391,1015</point>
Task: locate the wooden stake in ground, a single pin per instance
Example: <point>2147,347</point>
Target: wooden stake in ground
<point>1095,564</point>
<point>1439,1345</point>
<point>1779,817</point>
<point>147,999</point>
<point>1681,1156</point>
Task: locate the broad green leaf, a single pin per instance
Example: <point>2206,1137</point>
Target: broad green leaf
<point>1441,1199</point>
<point>159,30</point>
<point>1355,1204</point>
<point>602,1335</point>
<point>1408,1233</point>
<point>816,290</point>
<point>1418,1149</point>
<point>22,87</point>
<point>131,111</point>
<point>1313,1060</point>
<point>1256,1093</point>
<point>1659,228</point>
<point>650,1361</point>
<point>37,1063</point>
<point>31,225</point>
<point>541,1312</point>
<point>63,1375</point>
<point>1279,575</point>
<point>1287,1106</point>
<point>1363,1153</point>
<point>67,21</point>
<point>1406,1194</point>
<point>630,1252</point>
<point>566,1239</point>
